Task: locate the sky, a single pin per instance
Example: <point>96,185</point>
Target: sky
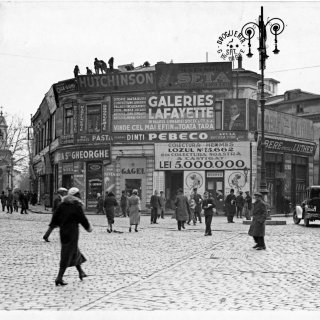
<point>42,41</point>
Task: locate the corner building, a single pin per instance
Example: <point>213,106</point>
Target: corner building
<point>165,127</point>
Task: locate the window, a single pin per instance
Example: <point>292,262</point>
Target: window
<point>68,125</point>
<point>218,115</point>
<point>53,126</point>
<point>299,108</point>
<point>94,118</point>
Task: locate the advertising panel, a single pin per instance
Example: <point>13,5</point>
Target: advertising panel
<point>235,114</point>
<point>202,155</point>
<point>166,112</point>
<point>215,75</point>
<point>83,154</point>
<point>66,87</point>
<point>236,180</point>
<point>286,124</point>
<point>193,179</point>
<point>122,81</point>
<point>94,184</point>
<point>51,100</point>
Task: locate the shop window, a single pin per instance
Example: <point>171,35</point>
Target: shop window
<point>68,119</point>
<point>218,115</point>
<point>94,118</point>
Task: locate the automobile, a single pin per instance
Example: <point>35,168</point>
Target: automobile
<point>309,210</point>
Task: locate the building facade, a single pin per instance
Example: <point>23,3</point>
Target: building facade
<point>165,127</point>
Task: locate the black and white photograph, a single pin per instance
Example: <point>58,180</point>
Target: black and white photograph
<point>159,159</point>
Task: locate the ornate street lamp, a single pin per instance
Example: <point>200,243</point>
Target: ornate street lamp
<point>276,27</point>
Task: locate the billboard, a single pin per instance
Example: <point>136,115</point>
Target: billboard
<point>178,76</point>
<point>202,155</point>
<point>235,114</point>
<point>163,112</point>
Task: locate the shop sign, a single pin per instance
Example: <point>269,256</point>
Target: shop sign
<point>202,155</point>
<point>93,138</point>
<point>86,154</point>
<point>65,87</point>
<point>123,81</point>
<point>217,174</point>
<point>67,168</point>
<point>175,112</point>
<point>67,139</point>
<point>290,147</point>
<point>215,75</point>
<point>133,171</point>
<point>286,124</point>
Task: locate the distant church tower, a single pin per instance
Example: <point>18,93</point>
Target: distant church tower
<point>5,156</point>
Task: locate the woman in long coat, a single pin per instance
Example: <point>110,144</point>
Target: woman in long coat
<point>258,227</point>
<point>182,209</point>
<point>109,203</point>
<point>134,210</point>
<point>68,216</point>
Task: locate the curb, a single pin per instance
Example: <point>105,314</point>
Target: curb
<point>269,222</point>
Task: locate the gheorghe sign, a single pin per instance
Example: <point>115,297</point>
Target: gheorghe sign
<point>202,155</point>
<point>83,154</point>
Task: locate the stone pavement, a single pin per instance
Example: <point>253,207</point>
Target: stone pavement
<point>160,268</point>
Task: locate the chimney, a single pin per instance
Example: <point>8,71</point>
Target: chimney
<point>240,62</point>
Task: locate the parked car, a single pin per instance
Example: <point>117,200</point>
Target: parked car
<point>309,210</point>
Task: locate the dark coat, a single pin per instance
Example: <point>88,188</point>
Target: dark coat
<point>208,210</point>
<point>230,204</point>
<point>109,203</point>
<point>198,200</point>
<point>240,201</point>
<point>259,216</point>
<point>183,209</point>
<point>68,216</point>
<point>56,202</point>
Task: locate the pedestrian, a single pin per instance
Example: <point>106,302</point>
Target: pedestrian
<point>163,201</point>
<point>182,209</point>
<point>155,207</point>
<point>124,203</point>
<point>68,215</point>
<point>76,71</point>
<point>62,192</point>
<point>258,226</point>
<point>110,203</point>
<point>208,206</point>
<point>96,65</point>
<point>247,206</point>
<point>230,206</point>
<point>89,71</point>
<point>239,204</point>
<point>10,201</point>
<point>198,200</point>
<point>192,206</point>
<point>46,201</point>
<point>23,202</point>
<point>99,204</point>
<point>34,199</point>
<point>3,199</point>
<point>110,62</point>
<point>15,201</point>
<point>134,210</point>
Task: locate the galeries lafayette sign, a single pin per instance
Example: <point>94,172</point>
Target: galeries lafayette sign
<point>202,155</point>
<point>76,154</point>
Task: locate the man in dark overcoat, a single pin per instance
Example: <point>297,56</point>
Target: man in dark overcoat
<point>155,206</point>
<point>259,217</point>
<point>230,206</point>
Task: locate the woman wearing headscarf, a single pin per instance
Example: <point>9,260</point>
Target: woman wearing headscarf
<point>182,209</point>
<point>134,210</point>
<point>68,216</point>
<point>109,203</point>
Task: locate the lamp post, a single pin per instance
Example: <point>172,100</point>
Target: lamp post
<point>8,171</point>
<point>276,26</point>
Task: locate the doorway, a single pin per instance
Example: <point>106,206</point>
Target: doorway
<point>173,181</point>
<point>131,184</point>
<point>215,186</point>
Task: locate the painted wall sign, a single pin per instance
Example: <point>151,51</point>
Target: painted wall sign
<point>286,124</point>
<point>66,87</point>
<point>279,145</point>
<point>231,44</point>
<point>67,139</point>
<point>84,154</point>
<point>202,155</point>
<point>178,112</point>
<point>93,138</point>
<point>215,75</point>
<point>123,81</point>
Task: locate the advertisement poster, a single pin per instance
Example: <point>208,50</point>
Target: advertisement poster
<point>235,114</point>
<point>94,183</point>
<point>236,180</point>
<point>214,75</point>
<point>202,155</point>
<point>166,112</point>
<point>193,179</point>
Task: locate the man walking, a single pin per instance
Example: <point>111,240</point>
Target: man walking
<point>10,201</point>
<point>208,205</point>
<point>258,224</point>
<point>239,204</point>
<point>198,200</point>
<point>230,205</point>
<point>61,193</point>
<point>155,206</point>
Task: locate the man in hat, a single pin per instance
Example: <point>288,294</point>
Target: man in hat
<point>247,206</point>
<point>61,193</point>
<point>198,200</point>
<point>230,206</point>
<point>259,217</point>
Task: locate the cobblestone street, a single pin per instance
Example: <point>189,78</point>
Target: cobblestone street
<point>160,268</point>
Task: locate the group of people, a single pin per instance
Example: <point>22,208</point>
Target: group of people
<point>238,205</point>
<point>99,65</point>
<point>11,201</point>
